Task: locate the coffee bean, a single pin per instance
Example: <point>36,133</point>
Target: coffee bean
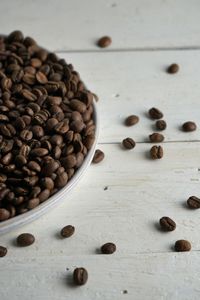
<point>76,104</point>
<point>193,202</point>
<point>131,120</point>
<point>156,138</point>
<point>26,135</point>
<point>32,203</point>
<point>155,113</point>
<point>128,143</point>
<point>108,248</point>
<point>25,239</point>
<point>167,224</point>
<point>104,42</point>
<point>161,125</point>
<point>156,152</point>
<point>98,156</point>
<point>41,77</point>
<point>182,245</point>
<point>67,231</point>
<point>80,276</point>
<point>3,251</point>
<point>39,152</point>
<point>69,161</point>
<point>189,126</point>
<point>4,214</point>
<point>47,183</point>
<point>50,167</point>
<point>44,195</point>
<point>61,180</point>
<point>173,68</point>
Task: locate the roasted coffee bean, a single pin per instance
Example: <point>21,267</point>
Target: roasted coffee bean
<point>173,68</point>
<point>167,224</point>
<point>80,276</point>
<point>50,167</point>
<point>156,138</point>
<point>33,165</point>
<point>76,104</point>
<point>26,135</point>
<point>67,231</point>
<point>182,246</point>
<point>79,159</point>
<point>128,143</point>
<point>37,131</point>
<point>56,139</point>
<point>98,156</point>
<point>41,77</point>
<point>156,152</point>
<point>189,126</point>
<point>131,120</point>
<point>32,203</point>
<point>161,125</point>
<point>69,161</point>
<point>20,160</point>
<point>25,239</point>
<point>4,214</point>
<point>47,183</point>
<point>108,248</point>
<point>3,251</point>
<point>44,195</point>
<point>39,152</point>
<point>104,42</point>
<point>193,202</point>
<point>155,113</point>
<point>61,180</point>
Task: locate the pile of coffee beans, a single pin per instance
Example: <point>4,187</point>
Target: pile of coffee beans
<point>46,124</point>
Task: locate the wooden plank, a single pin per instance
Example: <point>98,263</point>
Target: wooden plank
<point>144,277</point>
<point>68,25</point>
<point>131,83</point>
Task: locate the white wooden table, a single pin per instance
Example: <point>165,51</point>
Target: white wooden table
<point>129,77</point>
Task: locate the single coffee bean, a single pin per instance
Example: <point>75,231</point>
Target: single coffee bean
<point>61,180</point>
<point>80,276</point>
<point>193,202</point>
<point>156,152</point>
<point>98,156</point>
<point>32,203</point>
<point>173,68</point>
<point>167,224</point>
<point>108,248</point>
<point>161,125</point>
<point>25,239</point>
<point>104,42</point>
<point>44,195</point>
<point>156,138</point>
<point>3,251</point>
<point>4,214</point>
<point>67,231</point>
<point>182,245</point>
<point>128,143</point>
<point>131,120</point>
<point>189,126</point>
<point>41,77</point>
<point>155,113</point>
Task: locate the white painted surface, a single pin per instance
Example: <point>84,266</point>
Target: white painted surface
<point>140,191</point>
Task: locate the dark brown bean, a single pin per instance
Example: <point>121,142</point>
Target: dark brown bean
<point>156,152</point>
<point>189,126</point>
<point>67,231</point>
<point>167,224</point>
<point>156,137</point>
<point>76,104</point>
<point>32,203</point>
<point>155,113</point>
<point>69,161</point>
<point>104,42</point>
<point>193,202</point>
<point>108,248</point>
<point>39,152</point>
<point>44,195</point>
<point>25,239</point>
<point>80,276</point>
<point>47,183</point>
<point>173,68</point>
<point>61,180</point>
<point>182,246</point>
<point>131,120</point>
<point>98,156</point>
<point>161,125</point>
<point>3,251</point>
<point>4,214</point>
<point>41,77</point>
<point>128,143</point>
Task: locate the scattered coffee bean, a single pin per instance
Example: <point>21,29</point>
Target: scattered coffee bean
<point>167,224</point>
<point>3,251</point>
<point>80,276</point>
<point>25,239</point>
<point>104,42</point>
<point>173,68</point>
<point>161,125</point>
<point>46,124</point>
<point>67,231</point>
<point>108,248</point>
<point>182,245</point>
<point>156,152</point>
<point>189,126</point>
<point>193,202</point>
<point>98,156</point>
<point>156,138</point>
<point>131,120</point>
<point>128,143</point>
<point>155,113</point>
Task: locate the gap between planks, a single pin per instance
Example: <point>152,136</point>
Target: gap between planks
<point>150,143</point>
